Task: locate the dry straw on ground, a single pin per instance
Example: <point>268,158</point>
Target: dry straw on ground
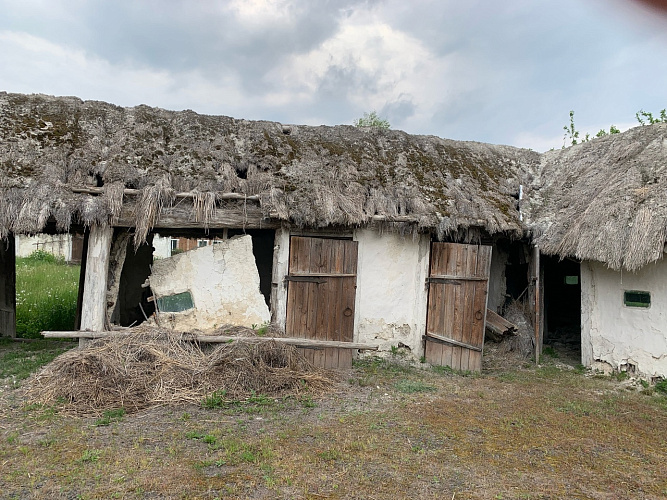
<point>153,366</point>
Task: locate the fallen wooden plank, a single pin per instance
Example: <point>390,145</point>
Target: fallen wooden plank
<point>498,327</point>
<point>221,339</point>
<point>446,340</point>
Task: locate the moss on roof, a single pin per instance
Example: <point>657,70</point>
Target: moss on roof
<point>308,176</point>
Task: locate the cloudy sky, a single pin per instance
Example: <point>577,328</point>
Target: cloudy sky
<point>488,70</point>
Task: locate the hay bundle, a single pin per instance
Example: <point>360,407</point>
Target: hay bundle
<point>152,366</point>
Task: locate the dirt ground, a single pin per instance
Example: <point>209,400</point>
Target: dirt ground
<point>384,430</point>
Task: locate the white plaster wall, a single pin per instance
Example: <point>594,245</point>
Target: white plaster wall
<point>162,246</point>
<point>223,281</point>
<point>616,334</point>
<point>391,296</point>
<point>59,245</point>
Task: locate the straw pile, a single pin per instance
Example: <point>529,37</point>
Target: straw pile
<point>152,366</point>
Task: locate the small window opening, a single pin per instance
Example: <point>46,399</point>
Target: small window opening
<point>175,303</point>
<point>571,280</point>
<point>637,298</point>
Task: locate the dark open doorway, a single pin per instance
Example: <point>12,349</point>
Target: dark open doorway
<point>562,305</point>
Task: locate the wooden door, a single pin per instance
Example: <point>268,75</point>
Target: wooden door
<point>320,296</point>
<point>457,296</point>
<point>7,287</point>
<point>77,248</point>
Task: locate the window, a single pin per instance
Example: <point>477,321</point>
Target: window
<point>571,280</point>
<point>637,298</point>
<point>175,303</point>
<point>174,243</point>
<point>202,243</point>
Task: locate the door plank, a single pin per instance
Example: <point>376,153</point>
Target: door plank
<point>453,308</point>
<point>468,296</point>
<point>322,308</point>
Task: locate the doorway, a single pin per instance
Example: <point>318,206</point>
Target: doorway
<point>562,306</point>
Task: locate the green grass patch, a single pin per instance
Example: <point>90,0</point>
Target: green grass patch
<point>110,416</point>
<point>89,456</point>
<point>412,386</point>
<point>215,400</point>
<point>22,359</point>
<point>46,293</point>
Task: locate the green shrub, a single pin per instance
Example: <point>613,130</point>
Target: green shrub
<point>661,387</point>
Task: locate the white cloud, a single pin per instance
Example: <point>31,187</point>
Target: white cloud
<point>369,64</point>
<point>41,66</point>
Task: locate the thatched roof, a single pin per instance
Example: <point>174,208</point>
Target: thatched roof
<point>307,176</point>
<point>604,200</point>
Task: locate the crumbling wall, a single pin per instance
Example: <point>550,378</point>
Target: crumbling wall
<point>59,245</point>
<point>391,293</point>
<point>630,339</point>
<point>222,280</point>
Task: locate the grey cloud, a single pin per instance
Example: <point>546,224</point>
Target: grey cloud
<point>398,110</point>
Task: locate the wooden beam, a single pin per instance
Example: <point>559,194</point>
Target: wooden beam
<point>536,281</point>
<point>138,192</point>
<point>434,278</point>
<point>498,327</point>
<point>82,281</point>
<point>94,307</point>
<point>446,340</point>
<point>181,217</point>
<point>218,339</point>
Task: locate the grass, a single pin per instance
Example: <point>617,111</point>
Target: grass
<point>18,360</point>
<point>110,416</point>
<point>402,433</point>
<point>46,293</point>
<point>412,386</point>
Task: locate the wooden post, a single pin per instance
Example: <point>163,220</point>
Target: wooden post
<point>94,308</point>
<point>538,301</point>
<point>82,281</point>
<point>8,287</point>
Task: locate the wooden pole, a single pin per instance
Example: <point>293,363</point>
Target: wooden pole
<point>538,309</point>
<point>93,311</point>
<point>82,280</point>
<point>217,339</point>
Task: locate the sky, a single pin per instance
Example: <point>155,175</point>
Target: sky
<point>503,72</point>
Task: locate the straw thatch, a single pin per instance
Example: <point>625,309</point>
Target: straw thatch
<point>604,200</point>
<point>152,366</point>
<point>307,176</point>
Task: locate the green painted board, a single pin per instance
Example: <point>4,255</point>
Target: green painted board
<point>175,303</point>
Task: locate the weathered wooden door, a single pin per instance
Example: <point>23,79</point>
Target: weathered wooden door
<point>458,288</point>
<point>320,296</point>
<point>7,287</point>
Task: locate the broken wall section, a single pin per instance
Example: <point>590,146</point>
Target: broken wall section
<point>210,287</point>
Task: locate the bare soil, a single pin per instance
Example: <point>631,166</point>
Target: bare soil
<point>384,430</point>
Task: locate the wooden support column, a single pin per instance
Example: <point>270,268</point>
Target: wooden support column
<point>94,307</point>
<point>82,280</point>
<point>537,283</point>
<point>8,287</point>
